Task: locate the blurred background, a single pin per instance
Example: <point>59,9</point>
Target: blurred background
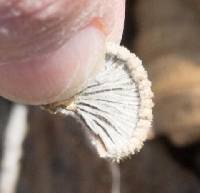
<point>57,157</point>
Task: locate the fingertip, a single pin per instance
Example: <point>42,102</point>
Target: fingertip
<point>58,75</point>
<point>87,52</point>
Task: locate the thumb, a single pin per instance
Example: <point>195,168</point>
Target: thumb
<point>42,66</point>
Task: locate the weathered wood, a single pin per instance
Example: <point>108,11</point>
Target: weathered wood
<point>58,158</point>
<point>155,169</point>
<point>5,107</point>
<point>168,42</point>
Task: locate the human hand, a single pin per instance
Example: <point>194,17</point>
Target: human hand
<point>48,48</point>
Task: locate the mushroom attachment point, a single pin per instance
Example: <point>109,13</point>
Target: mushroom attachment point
<point>115,106</point>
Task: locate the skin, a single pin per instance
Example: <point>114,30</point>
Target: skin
<point>49,48</point>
